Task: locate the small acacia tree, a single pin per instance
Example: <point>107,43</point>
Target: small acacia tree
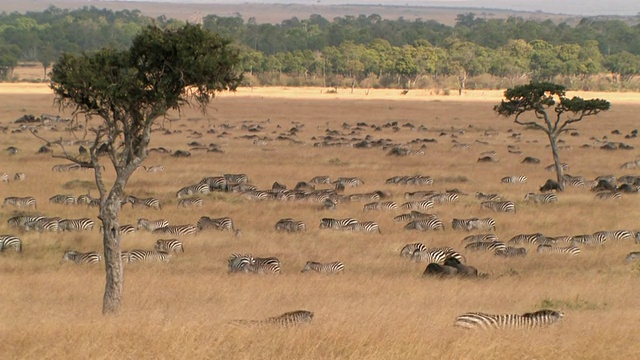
<point>127,91</point>
<point>552,112</point>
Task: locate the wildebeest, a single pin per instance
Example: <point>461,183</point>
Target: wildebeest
<point>603,185</point>
<point>550,185</point>
<point>463,270</point>
<point>434,269</point>
<point>531,160</point>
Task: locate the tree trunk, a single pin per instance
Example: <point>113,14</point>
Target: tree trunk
<point>111,238</point>
<point>556,160</point>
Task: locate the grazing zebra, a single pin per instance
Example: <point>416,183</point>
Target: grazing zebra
<point>617,235</point>
<point>436,255</point>
<point>474,224</point>
<point>425,224</point>
<point>20,202</point>
<point>419,195</point>
<point>207,223</point>
<point>574,181</point>
<point>263,266</point>
<point>417,205</point>
<point>492,246</point>
<point>169,245</point>
<point>43,224</point>
<point>10,241</point>
<point>589,239</point>
<point>552,167</point>
<point>19,176</point>
<point>65,167</point>
<point>21,221</point>
<point>86,199</point>
<point>127,229</point>
<point>62,199</point>
<point>482,321</point>
<point>259,195</point>
<point>236,178</point>
<point>322,179</point>
<point>414,215</point>
<point>348,181</point>
<point>290,225</point>
<point>292,318</point>
<point>154,168</point>
<point>239,262</point>
<point>190,202</point>
<point>145,255</point>
<point>326,268</point>
<point>337,224</point>
<point>199,188</point>
<point>514,179</point>
<point>150,225</point>
<point>148,202</point>
<point>386,205</point>
<point>82,258</point>
<point>499,206</point>
<point>443,198</point>
<point>479,237</point>
<point>409,249</point>
<point>609,195</point>
<point>83,224</point>
<point>215,182</point>
<point>569,250</point>
<point>511,251</point>
<point>365,197</point>
<point>488,197</point>
<point>536,238</point>
<point>177,230</point>
<point>365,226</point>
<point>541,198</point>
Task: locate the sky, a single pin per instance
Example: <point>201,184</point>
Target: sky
<point>573,7</point>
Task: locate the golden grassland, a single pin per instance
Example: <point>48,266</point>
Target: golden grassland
<point>381,307</point>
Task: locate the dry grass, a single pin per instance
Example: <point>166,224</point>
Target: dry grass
<point>380,308</point>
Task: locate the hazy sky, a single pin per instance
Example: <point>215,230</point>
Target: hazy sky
<point>575,7</point>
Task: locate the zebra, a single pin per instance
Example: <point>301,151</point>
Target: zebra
<point>488,197</point>
<point>145,255</point>
<point>215,182</point>
<point>419,180</point>
<point>552,167</point>
<point>169,245</point>
<point>65,167</point>
<point>223,223</point>
<point>511,251</point>
<point>479,237</point>
<point>514,179</point>
<point>236,178</point>
<point>199,188</point>
<point>322,179</point>
<point>20,202</point>
<point>19,177</point>
<point>127,229</point>
<point>609,195</point>
<point>414,215</point>
<point>349,181</point>
<point>589,239</point>
<point>263,266</point>
<point>386,205</point>
<point>150,225</point>
<point>492,246</point>
<point>409,249</point>
<point>617,235</point>
<point>290,225</point>
<point>499,206</point>
<point>177,230</point>
<point>541,198</point>
<point>573,181</point>
<point>49,224</point>
<point>443,198</point>
<point>86,199</point>
<point>569,250</point>
<point>436,255</point>
<point>376,195</point>
<point>418,195</point>
<point>148,202</point>
<point>474,224</point>
<point>80,258</point>
<point>337,224</point>
<point>326,268</point>
<point>153,168</point>
<point>416,205</point>
<point>425,224</point>
<point>21,221</point>
<point>259,195</point>
<point>527,321</point>
<point>365,226</point>
<point>292,318</point>
<point>10,241</point>
<point>83,224</point>
<point>536,238</point>
<point>238,262</point>
<point>62,199</point>
<point>190,202</point>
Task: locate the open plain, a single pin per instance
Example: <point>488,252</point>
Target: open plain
<point>380,307</point>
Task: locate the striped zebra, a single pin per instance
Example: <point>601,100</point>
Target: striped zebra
<point>557,239</point>
<point>377,206</point>
<point>62,199</point>
<point>376,195</point>
<point>199,188</point>
<point>215,183</point>
<point>443,198</point>
<point>290,225</point>
<point>419,180</point>
<point>527,321</point>
<point>589,239</point>
<point>337,224</point>
<point>574,181</point>
<point>479,237</point>
<point>409,249</point>
<point>436,255</point>
<point>617,235</point>
<point>22,220</point>
<point>169,245</point>
<point>207,223</point>
<point>425,225</point>
<point>541,198</point>
<point>550,249</point>
<point>20,202</point>
<point>474,224</point>
<point>491,246</point>
<point>418,205</point>
<point>44,224</point>
<point>488,197</point>
<point>349,181</point>
<point>365,226</point>
<point>153,168</point>
<point>133,256</point>
<point>499,206</point>
<point>536,238</point>
<point>86,199</point>
<point>236,178</point>
<point>148,202</point>
<point>150,225</point>
<point>177,230</point>
<point>609,195</point>
<point>127,229</point>
<point>326,268</point>
<point>19,177</point>
<point>322,179</point>
<point>270,265</point>
<point>259,195</point>
<point>10,241</point>
<point>514,179</point>
<point>83,224</point>
<point>419,195</point>
<point>293,318</point>
<point>511,251</point>
<point>552,167</point>
<point>82,258</point>
<point>414,215</point>
<point>190,202</point>
<point>238,262</point>
<point>65,167</point>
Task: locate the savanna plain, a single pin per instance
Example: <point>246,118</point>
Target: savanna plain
<point>380,307</point>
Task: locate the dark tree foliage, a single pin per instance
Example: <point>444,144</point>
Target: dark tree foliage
<point>549,110</point>
<point>127,90</point>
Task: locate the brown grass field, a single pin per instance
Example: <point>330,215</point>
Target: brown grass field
<point>380,307</point>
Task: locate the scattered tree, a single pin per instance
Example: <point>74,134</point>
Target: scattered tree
<point>128,90</point>
<point>553,112</point>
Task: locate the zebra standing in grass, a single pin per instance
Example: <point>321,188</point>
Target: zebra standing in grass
<point>511,251</point>
<point>215,182</point>
<point>609,195</point>
<point>617,235</point>
<point>199,188</point>
<point>62,199</point>
<point>177,230</point>
<point>474,224</point>
<point>552,167</point>
<point>574,181</point>
<point>443,198</point>
<point>150,225</point>
<point>326,268</point>
<point>488,197</point>
<point>491,246</point>
<point>589,239</point>
<point>82,258</point>
<point>425,224</point>
<point>21,221</point>
<point>20,202</point>
<point>414,215</point>
<point>169,245</point>
<point>269,265</point>
<point>337,224</point>
<point>145,255</point>
<point>290,225</point>
<point>190,202</point>
<point>417,205</point>
<point>84,224</point>
<point>236,178</point>
<point>349,181</point>
<point>541,198</point>
<point>148,202</point>
<point>376,206</point>
<point>322,179</point>
<point>44,224</point>
<point>482,321</point>
<point>569,250</point>
<point>292,318</point>
<point>479,237</point>
<point>514,179</point>
<point>86,199</point>
<point>536,238</point>
<point>207,223</point>
<point>409,249</point>
<point>10,241</point>
<point>436,255</point>
<point>239,262</point>
<point>365,226</point>
<point>499,206</point>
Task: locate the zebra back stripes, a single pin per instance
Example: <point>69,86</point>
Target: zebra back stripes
<point>169,245</point>
<point>425,224</point>
<point>492,246</point>
<point>527,321</point>
<point>177,230</point>
<point>10,241</point>
<point>62,199</point>
<point>436,255</point>
<point>82,258</point>
<point>417,205</point>
<point>20,202</point>
<point>541,198</point>
<point>589,239</point>
<point>617,235</point>
<point>499,206</point>
<point>145,255</point>
<point>376,206</point>
<point>409,249</point>
<point>410,180</point>
<point>609,195</point>
<point>207,223</point>
<point>326,268</point>
<point>536,238</point>
<point>83,224</point>
<point>514,179</point>
<point>148,202</point>
<point>480,237</point>
<point>474,224</point>
<point>190,202</point>
<point>568,250</point>
<point>199,188</point>
<point>337,224</point>
<point>290,225</point>
<point>293,318</point>
<point>151,225</point>
<point>414,215</point>
<point>365,226</point>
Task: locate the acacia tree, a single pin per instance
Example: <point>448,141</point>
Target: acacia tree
<point>127,91</point>
<point>552,112</point>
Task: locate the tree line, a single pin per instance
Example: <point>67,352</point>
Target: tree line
<point>362,51</point>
